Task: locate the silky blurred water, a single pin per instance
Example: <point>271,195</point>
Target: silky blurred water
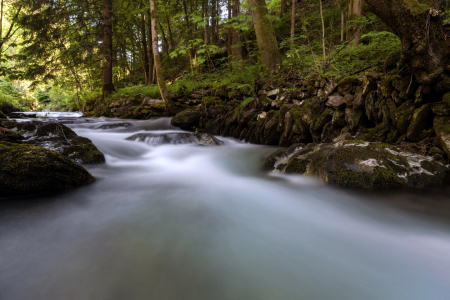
<point>191,222</point>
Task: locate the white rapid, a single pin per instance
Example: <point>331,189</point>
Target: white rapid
<point>175,222</point>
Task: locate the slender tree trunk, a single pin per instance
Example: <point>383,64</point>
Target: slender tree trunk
<point>236,48</point>
<point>108,86</point>
<point>229,31</point>
<point>267,42</point>
<point>323,35</point>
<point>425,42</point>
<point>294,2</point>
<point>151,77</point>
<point>1,21</point>
<point>283,8</point>
<point>159,74</point>
<point>354,12</point>
<point>189,35</point>
<point>165,47</point>
<point>79,88</point>
<point>206,3</point>
<point>341,10</point>
<point>144,49</point>
<point>213,22</point>
<point>169,35</point>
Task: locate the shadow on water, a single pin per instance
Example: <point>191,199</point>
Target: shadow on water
<point>190,222</point>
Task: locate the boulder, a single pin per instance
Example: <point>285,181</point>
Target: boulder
<point>336,101</point>
<point>29,169</point>
<point>345,85</point>
<point>369,84</point>
<point>348,99</point>
<point>176,138</point>
<point>55,136</point>
<point>353,118</point>
<point>187,119</point>
<point>339,118</point>
<point>330,87</point>
<point>360,164</point>
<point>359,100</point>
<point>442,128</point>
<point>403,115</point>
<point>419,122</point>
<point>442,108</point>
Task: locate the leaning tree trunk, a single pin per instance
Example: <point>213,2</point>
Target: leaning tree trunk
<point>108,86</point>
<point>267,42</point>
<point>159,74</point>
<point>425,44</point>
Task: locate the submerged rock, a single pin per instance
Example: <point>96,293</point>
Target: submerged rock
<point>55,136</point>
<point>176,138</point>
<point>29,169</point>
<point>360,164</point>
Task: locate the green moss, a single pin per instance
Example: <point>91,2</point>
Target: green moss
<point>415,7</point>
<point>159,106</point>
<point>347,80</point>
<point>297,166</point>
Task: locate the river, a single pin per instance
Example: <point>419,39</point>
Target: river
<point>170,222</point>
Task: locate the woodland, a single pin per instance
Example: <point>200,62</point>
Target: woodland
<point>60,54</point>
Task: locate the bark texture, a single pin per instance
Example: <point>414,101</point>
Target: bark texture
<point>108,86</point>
<point>423,36</point>
<point>267,42</point>
<point>159,74</point>
<point>354,12</point>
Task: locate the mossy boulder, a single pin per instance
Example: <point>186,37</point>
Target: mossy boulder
<point>56,136</point>
<point>29,169</point>
<point>336,101</point>
<point>7,135</point>
<point>360,164</point>
<point>353,118</point>
<point>345,85</point>
<point>442,108</point>
<point>420,121</point>
<point>187,119</point>
<point>442,128</point>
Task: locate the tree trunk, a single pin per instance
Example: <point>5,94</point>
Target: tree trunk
<point>354,12</point>
<point>267,42</point>
<point>158,67</point>
<point>213,23</point>
<point>144,49</point>
<point>324,52</point>
<point>165,47</point>
<point>108,86</point>
<point>151,77</point>
<point>235,47</point>
<point>229,31</point>
<point>425,42</point>
<point>294,2</point>
<point>169,35</point>
<point>283,8</point>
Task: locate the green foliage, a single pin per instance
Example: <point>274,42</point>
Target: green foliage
<point>247,101</point>
<point>10,94</point>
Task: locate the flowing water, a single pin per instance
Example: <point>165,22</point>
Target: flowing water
<point>194,222</point>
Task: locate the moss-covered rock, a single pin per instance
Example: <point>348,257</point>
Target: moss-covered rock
<point>420,121</point>
<point>442,128</point>
<point>56,136</point>
<point>403,115</point>
<point>336,101</point>
<point>353,118</point>
<point>29,169</point>
<point>345,85</point>
<point>176,138</point>
<point>187,119</point>
<point>7,135</point>
<point>361,164</point>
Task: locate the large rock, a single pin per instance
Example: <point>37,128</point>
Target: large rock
<point>442,128</point>
<point>345,85</point>
<point>55,136</point>
<point>176,138</point>
<point>442,108</point>
<point>360,164</point>
<point>29,169</point>
<point>403,115</point>
<point>353,118</point>
<point>187,119</point>
<point>419,122</point>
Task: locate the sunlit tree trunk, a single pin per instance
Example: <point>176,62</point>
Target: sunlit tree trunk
<point>265,35</point>
<point>159,74</point>
<point>341,10</point>
<point>108,86</point>
<point>294,2</point>
<point>151,77</point>
<point>354,12</point>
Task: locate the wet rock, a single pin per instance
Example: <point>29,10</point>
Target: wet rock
<point>348,99</point>
<point>187,119</point>
<point>442,128</point>
<point>405,86</point>
<point>330,87</point>
<point>271,134</point>
<point>176,138</point>
<point>55,136</point>
<point>360,164</point>
<point>20,115</point>
<point>7,135</point>
<point>442,108</point>
<point>336,101</point>
<point>29,169</point>
<point>420,121</point>
<point>115,125</point>
<point>371,107</point>
<point>273,93</point>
